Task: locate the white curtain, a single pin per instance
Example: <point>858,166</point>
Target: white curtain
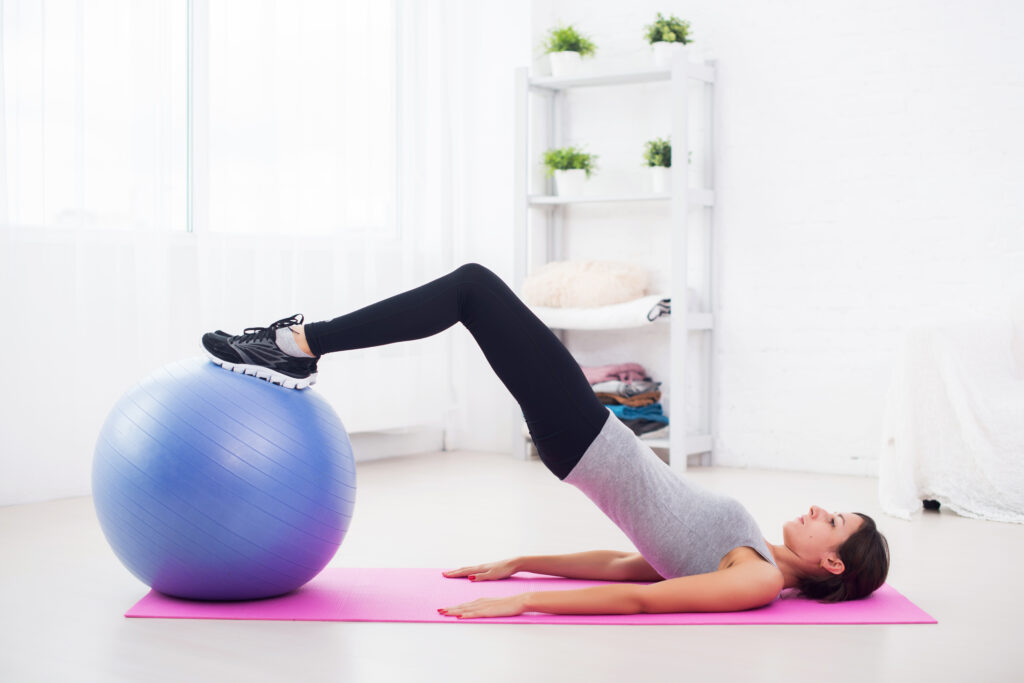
<point>96,297</point>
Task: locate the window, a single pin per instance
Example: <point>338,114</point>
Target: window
<point>241,116</point>
<point>301,116</point>
<point>92,114</point>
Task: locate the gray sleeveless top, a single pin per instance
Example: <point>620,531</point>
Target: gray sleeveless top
<point>680,528</point>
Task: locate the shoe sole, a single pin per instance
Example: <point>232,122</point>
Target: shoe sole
<point>266,374</point>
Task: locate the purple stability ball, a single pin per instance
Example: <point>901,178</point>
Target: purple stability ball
<point>212,485</point>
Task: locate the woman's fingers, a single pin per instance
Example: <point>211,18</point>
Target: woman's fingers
<point>486,607</point>
<point>477,573</point>
<point>460,610</point>
<point>489,571</point>
<point>462,571</point>
<point>455,610</point>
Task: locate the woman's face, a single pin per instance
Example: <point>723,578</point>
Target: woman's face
<point>815,536</point>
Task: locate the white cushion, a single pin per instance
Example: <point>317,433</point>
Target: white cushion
<point>585,284</point>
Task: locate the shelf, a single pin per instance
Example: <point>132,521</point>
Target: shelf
<point>694,321</point>
<point>695,443</point>
<point>700,72</point>
<point>551,98</point>
<point>621,316</point>
<point>698,197</point>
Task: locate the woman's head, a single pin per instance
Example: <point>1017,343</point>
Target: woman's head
<point>847,557</point>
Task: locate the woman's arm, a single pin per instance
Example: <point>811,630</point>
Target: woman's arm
<point>597,565</point>
<point>635,568</point>
<point>742,586</point>
<point>609,599</point>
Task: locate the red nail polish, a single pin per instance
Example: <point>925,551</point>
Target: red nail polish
<point>472,577</point>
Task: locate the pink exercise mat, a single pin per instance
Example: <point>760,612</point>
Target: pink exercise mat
<point>414,595</point>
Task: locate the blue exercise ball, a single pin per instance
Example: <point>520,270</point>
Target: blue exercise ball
<point>212,485</point>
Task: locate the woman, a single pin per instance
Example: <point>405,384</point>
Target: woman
<point>702,551</point>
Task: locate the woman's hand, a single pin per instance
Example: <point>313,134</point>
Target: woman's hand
<point>490,571</point>
<point>511,606</point>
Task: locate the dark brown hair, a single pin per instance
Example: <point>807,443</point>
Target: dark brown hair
<point>866,556</point>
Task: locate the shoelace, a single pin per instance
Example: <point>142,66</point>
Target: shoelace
<point>250,334</point>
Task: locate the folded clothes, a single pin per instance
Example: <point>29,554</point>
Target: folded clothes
<point>644,399</point>
<point>626,372</point>
<point>626,388</point>
<point>639,426</point>
<point>649,412</point>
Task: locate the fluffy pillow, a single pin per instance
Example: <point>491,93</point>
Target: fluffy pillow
<point>585,284</point>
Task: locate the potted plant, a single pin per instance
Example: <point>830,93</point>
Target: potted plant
<point>658,155</point>
<point>571,167</point>
<point>565,47</point>
<point>666,37</point>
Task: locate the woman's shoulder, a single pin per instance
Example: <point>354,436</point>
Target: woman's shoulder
<point>755,569</point>
<point>746,584</point>
<point>744,554</point>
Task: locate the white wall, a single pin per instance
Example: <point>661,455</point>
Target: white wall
<point>868,170</point>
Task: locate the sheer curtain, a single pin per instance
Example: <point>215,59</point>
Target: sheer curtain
<point>294,103</point>
<point>291,210</point>
<point>93,115</point>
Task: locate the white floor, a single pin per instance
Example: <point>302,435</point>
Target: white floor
<point>63,594</point>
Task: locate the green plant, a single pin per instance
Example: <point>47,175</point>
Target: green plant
<point>567,39</point>
<point>567,159</point>
<point>671,30</point>
<point>658,152</point>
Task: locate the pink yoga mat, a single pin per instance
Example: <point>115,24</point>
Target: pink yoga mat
<point>414,595</point>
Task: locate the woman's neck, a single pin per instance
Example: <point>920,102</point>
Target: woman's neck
<point>789,564</point>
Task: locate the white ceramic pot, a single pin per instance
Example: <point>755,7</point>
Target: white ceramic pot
<point>565,63</point>
<point>663,52</point>
<point>570,183</point>
<point>661,179</point>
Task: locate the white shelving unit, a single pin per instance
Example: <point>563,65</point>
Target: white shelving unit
<point>682,199</point>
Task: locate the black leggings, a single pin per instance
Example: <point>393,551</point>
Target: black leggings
<point>561,410</point>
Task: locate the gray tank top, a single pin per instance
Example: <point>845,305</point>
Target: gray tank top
<point>680,528</point>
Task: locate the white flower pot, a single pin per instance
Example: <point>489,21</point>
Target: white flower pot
<point>663,52</point>
<point>661,179</point>
<point>570,183</point>
<point>565,63</point>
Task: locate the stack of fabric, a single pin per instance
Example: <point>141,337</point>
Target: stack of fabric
<point>630,394</point>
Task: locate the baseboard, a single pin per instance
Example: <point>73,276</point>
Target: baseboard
<point>395,442</point>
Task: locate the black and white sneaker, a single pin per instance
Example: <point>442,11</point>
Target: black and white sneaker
<point>255,352</point>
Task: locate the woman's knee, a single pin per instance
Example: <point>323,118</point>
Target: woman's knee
<point>481,279</point>
<point>479,290</point>
<point>476,272</point>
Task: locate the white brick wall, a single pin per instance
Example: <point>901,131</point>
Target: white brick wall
<point>869,169</point>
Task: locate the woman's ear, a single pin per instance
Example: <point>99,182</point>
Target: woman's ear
<point>832,564</point>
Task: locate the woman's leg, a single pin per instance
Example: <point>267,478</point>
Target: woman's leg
<point>560,408</point>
